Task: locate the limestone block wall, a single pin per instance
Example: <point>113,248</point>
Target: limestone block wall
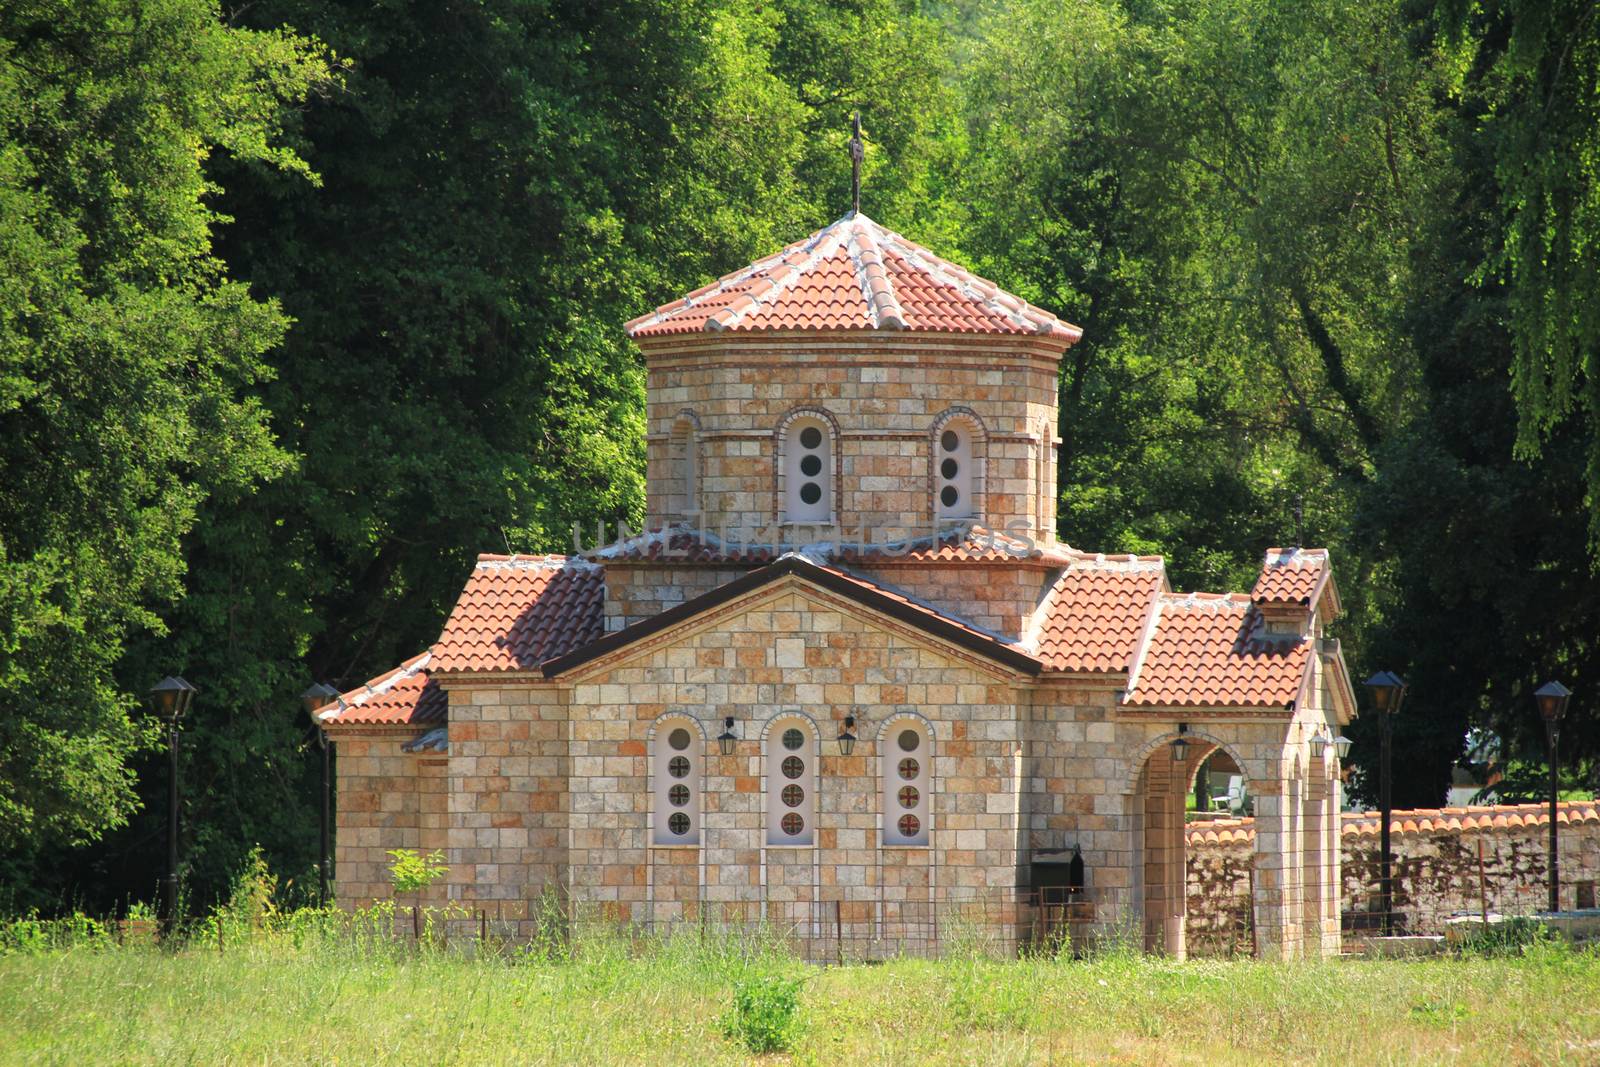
<point>882,392</point>
<point>791,649</point>
<point>639,591</point>
<point>387,799</point>
<point>508,812</point>
<point>1000,597</point>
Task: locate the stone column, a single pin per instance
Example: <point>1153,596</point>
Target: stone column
<point>1277,866</point>
<point>1314,859</point>
<point>1164,883</point>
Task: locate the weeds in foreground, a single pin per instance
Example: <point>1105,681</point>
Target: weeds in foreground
<point>765,1016</point>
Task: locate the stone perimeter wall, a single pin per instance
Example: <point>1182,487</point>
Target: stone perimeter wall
<point>1435,875</point>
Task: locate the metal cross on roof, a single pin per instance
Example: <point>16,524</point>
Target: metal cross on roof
<point>857,151</point>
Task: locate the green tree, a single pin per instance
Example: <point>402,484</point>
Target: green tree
<point>127,364</point>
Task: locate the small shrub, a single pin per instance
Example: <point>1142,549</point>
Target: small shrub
<point>410,871</point>
<point>766,1013</point>
<point>1513,937</point>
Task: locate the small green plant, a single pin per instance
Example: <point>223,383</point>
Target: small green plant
<point>410,871</point>
<point>765,1016</point>
<point>1513,937</point>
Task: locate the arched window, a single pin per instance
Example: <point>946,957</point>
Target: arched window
<point>808,470</point>
<point>676,771</point>
<point>685,466</point>
<point>1047,485</point>
<point>791,782</point>
<point>907,780</point>
<point>955,467</point>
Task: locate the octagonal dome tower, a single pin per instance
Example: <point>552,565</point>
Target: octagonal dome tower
<point>853,381</point>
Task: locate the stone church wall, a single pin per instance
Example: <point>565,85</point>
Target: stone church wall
<point>388,799</point>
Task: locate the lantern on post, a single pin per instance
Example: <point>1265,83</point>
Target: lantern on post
<point>1388,693</point>
<point>1552,700</point>
<point>319,695</point>
<point>170,699</point>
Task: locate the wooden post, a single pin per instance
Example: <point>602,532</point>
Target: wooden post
<point>483,927</point>
<point>416,924</point>
<point>838,930</point>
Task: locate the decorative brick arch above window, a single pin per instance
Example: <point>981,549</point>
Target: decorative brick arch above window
<point>807,466</point>
<point>957,454</point>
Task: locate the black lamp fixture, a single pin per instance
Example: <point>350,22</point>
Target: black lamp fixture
<point>1552,699</point>
<point>1319,742</point>
<point>1342,746</point>
<point>727,738</point>
<point>170,699</point>
<point>318,695</point>
<point>1180,744</point>
<point>1388,693</point>
<point>847,739</point>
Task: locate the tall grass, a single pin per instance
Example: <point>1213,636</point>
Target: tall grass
<point>254,984</point>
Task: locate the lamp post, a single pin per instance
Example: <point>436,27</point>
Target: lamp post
<point>1552,699</point>
<point>170,699</point>
<point>1388,692</point>
<point>319,694</point>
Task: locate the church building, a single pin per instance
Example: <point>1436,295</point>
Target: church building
<point>847,682</point>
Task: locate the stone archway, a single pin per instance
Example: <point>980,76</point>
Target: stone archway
<point>1160,875</point>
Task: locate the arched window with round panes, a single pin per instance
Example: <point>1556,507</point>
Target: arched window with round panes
<point>907,750</point>
<point>955,463</point>
<point>808,470</point>
<point>791,781</point>
<point>676,766</point>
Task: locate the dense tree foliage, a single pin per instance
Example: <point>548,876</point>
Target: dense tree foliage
<point>127,365</point>
<point>287,338</point>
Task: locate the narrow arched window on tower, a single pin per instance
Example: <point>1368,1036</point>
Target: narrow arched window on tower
<point>685,473</point>
<point>807,471</point>
<point>953,465</point>
<point>676,768</point>
<point>907,775</point>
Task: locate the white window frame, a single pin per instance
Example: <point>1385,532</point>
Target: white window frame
<point>662,780</point>
<point>968,455</point>
<point>776,753</point>
<point>795,509</point>
<point>890,756</point>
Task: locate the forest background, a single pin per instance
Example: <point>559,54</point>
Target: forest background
<point>303,303</point>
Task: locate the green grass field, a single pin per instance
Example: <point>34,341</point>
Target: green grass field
<point>267,1001</point>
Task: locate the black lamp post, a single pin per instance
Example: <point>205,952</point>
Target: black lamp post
<point>1388,692</point>
<point>847,739</point>
<point>170,699</point>
<point>1552,699</point>
<point>319,695</point>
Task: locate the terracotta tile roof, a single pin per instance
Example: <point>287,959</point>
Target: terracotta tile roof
<point>1290,576</point>
<point>1415,821</point>
<point>518,611</point>
<point>852,275</point>
<point>1095,613</point>
<point>1210,650</point>
<point>407,695</point>
<point>964,544</point>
